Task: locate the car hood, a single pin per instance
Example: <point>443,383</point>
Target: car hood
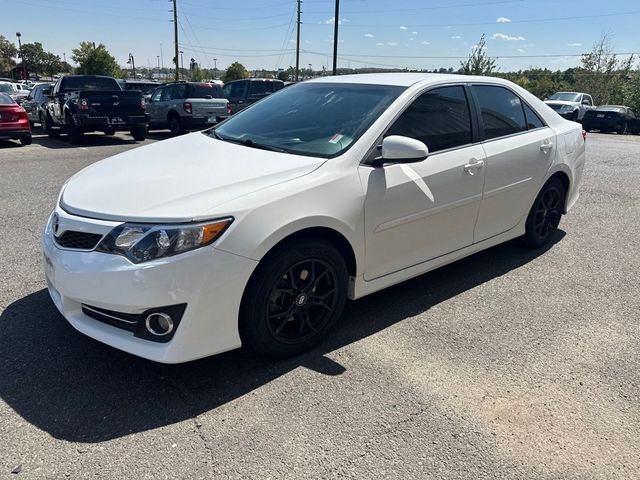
<point>560,102</point>
<point>177,180</point>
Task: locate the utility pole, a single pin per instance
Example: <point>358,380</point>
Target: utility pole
<point>175,35</point>
<point>298,43</point>
<point>336,21</point>
<point>181,62</point>
<point>24,68</point>
<point>215,68</point>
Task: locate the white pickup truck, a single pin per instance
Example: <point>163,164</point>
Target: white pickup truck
<point>570,105</point>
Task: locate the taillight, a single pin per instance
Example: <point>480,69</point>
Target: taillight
<point>143,104</point>
<point>584,135</point>
<point>229,110</point>
<point>187,107</point>
<point>84,105</point>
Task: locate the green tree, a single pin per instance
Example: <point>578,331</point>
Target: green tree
<point>478,62</point>
<point>284,75</point>
<point>631,92</point>
<point>603,75</point>
<point>236,71</point>
<point>7,52</point>
<point>198,74</point>
<point>51,64</point>
<point>34,56</point>
<point>95,60</point>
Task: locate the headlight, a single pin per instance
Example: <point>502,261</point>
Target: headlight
<point>566,108</point>
<point>141,242</point>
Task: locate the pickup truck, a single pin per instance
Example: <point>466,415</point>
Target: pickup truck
<point>570,105</point>
<point>94,103</point>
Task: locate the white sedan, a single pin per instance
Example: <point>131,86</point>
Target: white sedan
<point>257,231</point>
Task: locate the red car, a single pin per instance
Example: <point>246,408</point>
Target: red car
<point>14,122</point>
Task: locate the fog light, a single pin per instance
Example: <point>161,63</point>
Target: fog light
<point>159,323</point>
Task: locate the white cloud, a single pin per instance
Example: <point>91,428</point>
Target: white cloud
<point>402,27</point>
<point>521,50</point>
<point>503,20</point>
<point>368,35</point>
<point>456,37</point>
<point>379,44</point>
<point>332,20</point>
<point>392,44</point>
<point>411,38</point>
<point>507,38</point>
<point>574,44</point>
<point>426,43</point>
<point>414,33</point>
<point>292,40</point>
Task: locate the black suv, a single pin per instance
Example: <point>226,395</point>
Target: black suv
<point>242,93</point>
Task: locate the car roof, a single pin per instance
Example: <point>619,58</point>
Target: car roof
<point>406,79</point>
<point>255,80</point>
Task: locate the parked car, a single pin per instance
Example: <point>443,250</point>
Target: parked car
<point>14,123</point>
<point>570,105</point>
<point>242,93</point>
<point>90,103</point>
<point>10,89</point>
<point>612,118</point>
<point>256,231</point>
<point>184,106</point>
<point>36,102</point>
<point>147,87</point>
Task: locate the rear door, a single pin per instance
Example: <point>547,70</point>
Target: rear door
<point>154,107</point>
<point>519,149</point>
<point>419,211</point>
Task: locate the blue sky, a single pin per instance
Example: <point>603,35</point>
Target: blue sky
<point>261,33</point>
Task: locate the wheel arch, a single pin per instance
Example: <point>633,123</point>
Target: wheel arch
<point>565,177</point>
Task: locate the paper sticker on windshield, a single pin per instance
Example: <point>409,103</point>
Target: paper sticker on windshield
<point>336,138</point>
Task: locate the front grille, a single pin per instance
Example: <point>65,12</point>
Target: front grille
<point>78,240</point>
<point>126,321</point>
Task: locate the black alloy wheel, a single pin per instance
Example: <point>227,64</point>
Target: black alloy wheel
<point>48,127</point>
<point>622,129</point>
<point>294,297</point>
<point>545,214</point>
<point>175,125</point>
<point>301,301</point>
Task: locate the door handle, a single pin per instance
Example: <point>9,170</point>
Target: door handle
<point>473,166</point>
<point>546,147</point>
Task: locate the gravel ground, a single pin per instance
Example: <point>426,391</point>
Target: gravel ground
<point>508,364</point>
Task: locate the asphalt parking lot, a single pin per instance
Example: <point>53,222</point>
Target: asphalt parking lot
<point>508,364</point>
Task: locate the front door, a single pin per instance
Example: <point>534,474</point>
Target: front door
<point>519,148</point>
<point>419,211</point>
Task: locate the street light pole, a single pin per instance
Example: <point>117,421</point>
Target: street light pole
<point>336,21</point>
<point>215,68</point>
<point>133,65</point>
<point>181,62</point>
<point>24,68</point>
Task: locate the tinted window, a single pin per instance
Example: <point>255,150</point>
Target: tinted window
<point>236,90</point>
<point>316,119</point>
<point>88,83</point>
<point>4,88</point>
<point>204,90</point>
<point>5,99</point>
<point>439,118</point>
<point>145,88</point>
<point>533,120</point>
<point>156,95</point>
<point>262,87</point>
<point>502,112</point>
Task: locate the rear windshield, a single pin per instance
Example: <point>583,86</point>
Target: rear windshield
<point>204,90</point>
<point>6,88</point>
<point>263,87</point>
<point>143,87</point>
<point>5,99</point>
<point>88,83</point>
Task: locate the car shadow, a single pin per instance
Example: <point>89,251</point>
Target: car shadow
<point>79,390</point>
<point>6,144</point>
<point>89,140</point>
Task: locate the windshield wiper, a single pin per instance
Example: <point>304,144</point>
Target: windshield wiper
<point>248,143</point>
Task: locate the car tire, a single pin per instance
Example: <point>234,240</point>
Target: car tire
<point>110,132</point>
<point>48,128</point>
<point>622,129</point>
<point>75,133</point>
<point>545,214</point>
<point>175,125</point>
<point>294,298</point>
<point>40,120</point>
<point>139,134</point>
<point>26,140</point>
<point>574,117</point>
<point>32,124</point>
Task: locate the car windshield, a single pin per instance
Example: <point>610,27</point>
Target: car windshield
<point>5,99</point>
<point>204,90</point>
<point>314,119</point>
<point>565,96</point>
<point>70,84</point>
<point>145,88</point>
<point>6,88</point>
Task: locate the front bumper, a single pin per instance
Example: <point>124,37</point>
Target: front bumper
<point>567,115</point>
<point>196,123</point>
<point>209,281</point>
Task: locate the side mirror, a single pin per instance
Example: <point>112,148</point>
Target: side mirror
<point>585,102</point>
<point>399,149</point>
